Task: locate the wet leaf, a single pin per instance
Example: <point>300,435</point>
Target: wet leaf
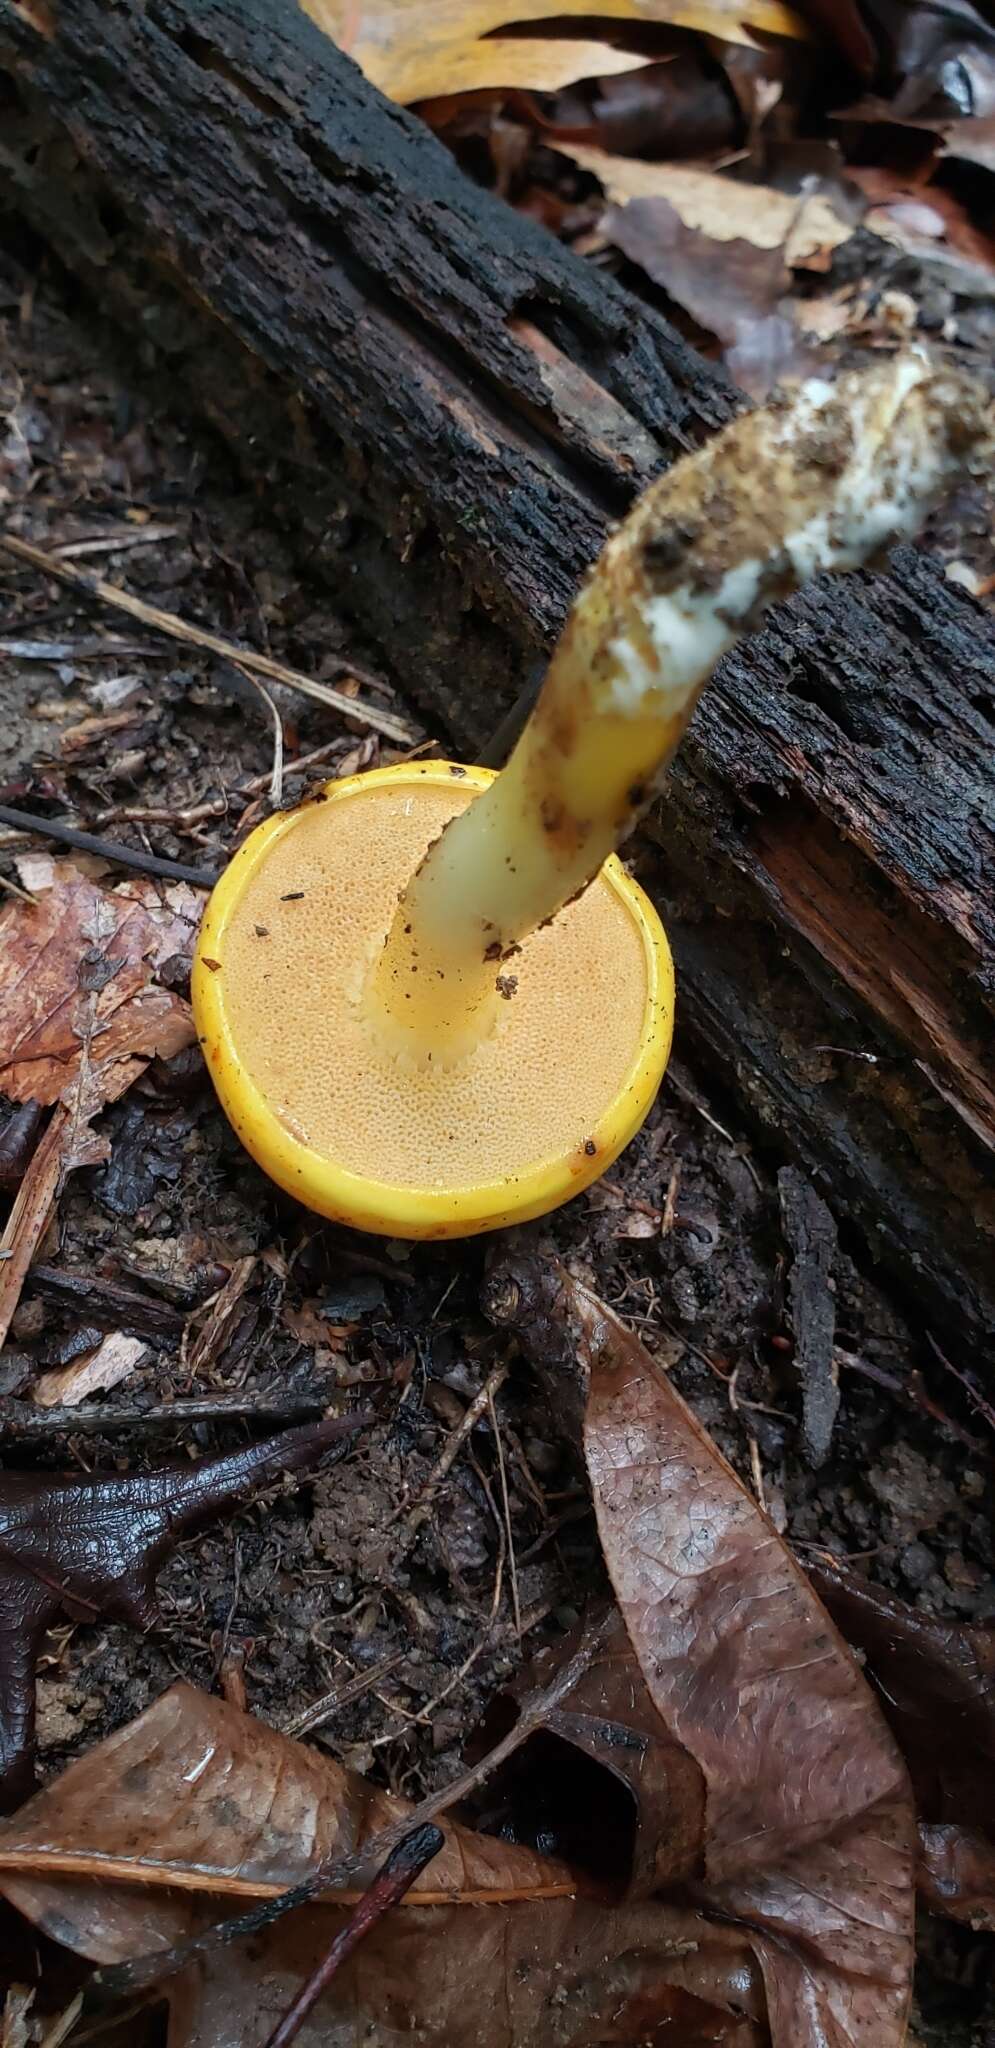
<point>937,1685</point>
<point>808,1832</point>
<point>78,970</point>
<point>414,53</point>
<point>92,1544</point>
<point>956,1874</point>
<point>493,1945</point>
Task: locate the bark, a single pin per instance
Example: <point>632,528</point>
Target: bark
<point>447,409</point>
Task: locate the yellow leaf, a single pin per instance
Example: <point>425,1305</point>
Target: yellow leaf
<point>724,209</point>
<point>413,52</point>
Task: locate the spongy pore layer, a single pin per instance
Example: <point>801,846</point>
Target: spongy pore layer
<point>295,961</point>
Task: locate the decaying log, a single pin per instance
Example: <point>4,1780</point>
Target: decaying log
<point>447,409</point>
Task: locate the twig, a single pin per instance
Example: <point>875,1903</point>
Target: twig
<point>975,1396</point>
<point>207,1327</point>
<point>17,1418</point>
<point>214,643</point>
<point>424,1714</point>
<point>14,889</point>
<point>740,1151</point>
<point>393,1879</point>
<point>506,1505</point>
<point>28,1221</point>
<point>911,1393</point>
<point>62,2026</point>
<point>342,1696</point>
<point>108,849</point>
<point>216,806</point>
<point>449,1453</point>
<point>670,1204</point>
<point>756,1472</point>
<point>276,772</point>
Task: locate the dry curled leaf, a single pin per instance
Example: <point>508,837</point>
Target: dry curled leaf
<point>136,1846</point>
<point>414,53</point>
<point>78,970</point>
<point>808,1836</point>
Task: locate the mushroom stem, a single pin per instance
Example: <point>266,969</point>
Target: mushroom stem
<point>821,479</point>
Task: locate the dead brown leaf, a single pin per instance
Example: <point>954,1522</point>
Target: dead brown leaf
<point>414,53</point>
<point>78,965</point>
<point>808,1828</point>
<point>809,1825</point>
<point>930,224</point>
<point>806,230</point>
<point>937,1684</point>
<point>81,1014</point>
<point>956,1875</point>
<point>733,289</point>
<point>493,1946</point>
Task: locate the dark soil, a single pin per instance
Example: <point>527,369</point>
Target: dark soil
<point>320,1583</point>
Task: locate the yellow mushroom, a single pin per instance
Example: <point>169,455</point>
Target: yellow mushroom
<point>433,1001</point>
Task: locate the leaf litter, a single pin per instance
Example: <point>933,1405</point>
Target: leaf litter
<point>639,1747</point>
<point>83,1008</point>
<point>770,1885</point>
<point>736,151</point>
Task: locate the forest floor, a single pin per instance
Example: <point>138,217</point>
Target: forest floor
<point>322,1587</point>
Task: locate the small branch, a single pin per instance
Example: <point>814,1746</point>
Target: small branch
<point>422,1507</point>
<point>276,772</point>
<point>108,849</point>
<point>322,1710</point>
<point>196,636</point>
<point>395,1877</point>
<point>19,1419</point>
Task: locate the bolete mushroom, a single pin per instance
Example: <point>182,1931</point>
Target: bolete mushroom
<point>432,1001</point>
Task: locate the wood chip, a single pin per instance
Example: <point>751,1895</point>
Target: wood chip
<point>113,1361</point>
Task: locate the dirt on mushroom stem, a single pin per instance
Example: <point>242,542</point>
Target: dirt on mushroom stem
<point>299,1593</point>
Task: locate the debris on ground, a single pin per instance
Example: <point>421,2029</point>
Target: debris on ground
<point>810,1233</point>
<point>363,1621</point>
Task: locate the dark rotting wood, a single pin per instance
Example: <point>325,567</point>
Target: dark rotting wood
<point>447,409</point>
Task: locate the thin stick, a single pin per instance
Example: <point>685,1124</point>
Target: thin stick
<point>424,1714</point>
<point>506,1504</point>
<point>214,643</point>
<point>450,1451</point>
<point>395,1877</point>
<point>322,1710</point>
<point>216,806</point>
<point>108,849</point>
<point>276,772</point>
<point>18,1418</point>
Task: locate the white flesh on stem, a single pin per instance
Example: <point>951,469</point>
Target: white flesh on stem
<point>823,478</point>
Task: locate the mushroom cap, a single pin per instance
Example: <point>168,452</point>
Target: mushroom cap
<point>386,1142</point>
